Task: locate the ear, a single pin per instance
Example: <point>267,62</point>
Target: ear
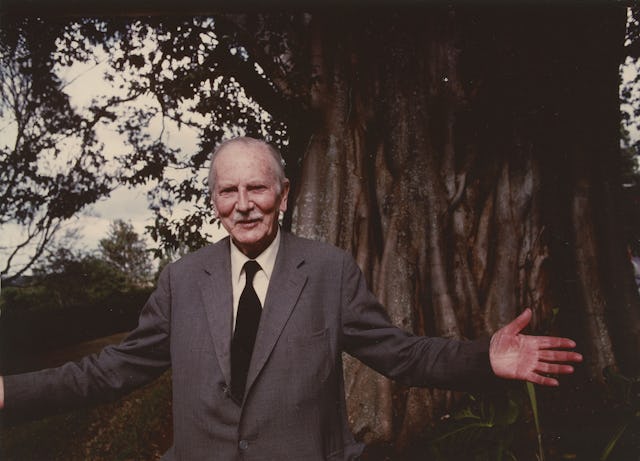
<point>284,195</point>
<point>214,210</point>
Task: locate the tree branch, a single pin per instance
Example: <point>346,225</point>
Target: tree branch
<point>46,229</point>
<point>274,93</point>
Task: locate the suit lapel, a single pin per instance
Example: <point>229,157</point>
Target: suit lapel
<point>285,286</point>
<point>217,299</point>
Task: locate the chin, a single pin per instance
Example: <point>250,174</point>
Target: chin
<point>247,241</point>
<point>247,238</point>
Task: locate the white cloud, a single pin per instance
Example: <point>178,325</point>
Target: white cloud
<point>129,205</point>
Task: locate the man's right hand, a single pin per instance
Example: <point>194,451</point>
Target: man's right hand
<point>1,393</point>
<point>517,356</point>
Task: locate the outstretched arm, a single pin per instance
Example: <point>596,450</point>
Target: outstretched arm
<point>530,358</point>
<point>99,377</point>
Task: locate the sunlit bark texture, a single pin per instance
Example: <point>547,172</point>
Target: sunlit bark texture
<point>468,160</point>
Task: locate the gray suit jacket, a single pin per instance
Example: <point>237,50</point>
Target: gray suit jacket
<point>317,306</point>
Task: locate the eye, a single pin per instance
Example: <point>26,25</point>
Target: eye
<point>227,190</point>
<point>257,187</point>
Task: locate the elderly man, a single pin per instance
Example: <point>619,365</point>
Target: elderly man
<point>254,327</point>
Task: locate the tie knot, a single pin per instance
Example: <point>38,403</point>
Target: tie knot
<point>250,269</point>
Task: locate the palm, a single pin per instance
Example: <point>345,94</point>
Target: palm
<point>531,358</point>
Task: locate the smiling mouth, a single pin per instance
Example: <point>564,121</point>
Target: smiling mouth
<point>248,222</point>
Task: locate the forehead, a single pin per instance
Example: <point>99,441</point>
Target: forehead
<point>244,162</point>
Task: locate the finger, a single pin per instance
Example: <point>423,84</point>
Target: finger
<point>552,342</point>
<point>554,368</point>
<point>519,323</point>
<point>559,356</point>
<point>542,380</point>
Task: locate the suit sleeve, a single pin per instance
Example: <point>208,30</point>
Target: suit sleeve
<point>369,335</point>
<point>141,357</point>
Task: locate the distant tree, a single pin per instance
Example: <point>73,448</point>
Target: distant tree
<point>125,250</point>
<point>73,278</point>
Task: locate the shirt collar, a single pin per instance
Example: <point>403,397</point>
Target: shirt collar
<point>266,259</point>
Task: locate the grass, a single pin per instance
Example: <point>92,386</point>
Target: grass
<point>137,427</point>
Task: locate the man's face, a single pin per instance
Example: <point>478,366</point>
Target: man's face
<point>247,196</point>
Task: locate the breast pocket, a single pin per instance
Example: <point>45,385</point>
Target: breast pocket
<point>311,362</point>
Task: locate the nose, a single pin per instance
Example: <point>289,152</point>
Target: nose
<point>244,202</point>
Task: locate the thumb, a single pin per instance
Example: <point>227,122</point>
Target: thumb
<point>519,323</point>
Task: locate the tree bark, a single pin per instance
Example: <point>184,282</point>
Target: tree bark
<point>444,155</point>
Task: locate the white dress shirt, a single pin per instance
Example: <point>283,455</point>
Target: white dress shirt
<point>266,259</point>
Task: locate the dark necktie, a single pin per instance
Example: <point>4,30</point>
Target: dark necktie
<point>244,337</point>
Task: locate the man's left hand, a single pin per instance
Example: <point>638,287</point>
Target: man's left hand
<point>530,358</point>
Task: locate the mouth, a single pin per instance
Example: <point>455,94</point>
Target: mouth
<point>248,223</point>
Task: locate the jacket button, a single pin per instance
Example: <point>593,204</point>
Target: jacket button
<point>226,391</point>
<point>243,444</point>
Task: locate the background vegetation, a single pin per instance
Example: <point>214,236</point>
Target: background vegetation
<point>74,297</point>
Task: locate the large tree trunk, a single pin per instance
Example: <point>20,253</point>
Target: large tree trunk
<point>467,159</point>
